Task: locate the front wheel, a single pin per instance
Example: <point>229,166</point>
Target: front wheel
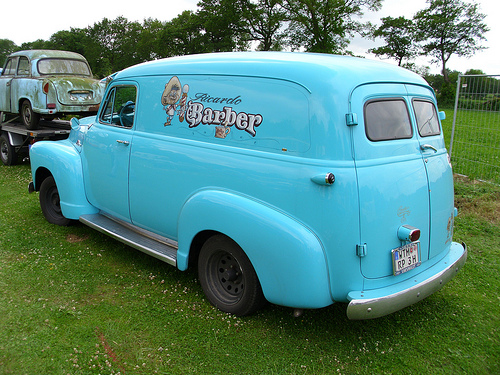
<point>51,204</point>
<point>228,278</point>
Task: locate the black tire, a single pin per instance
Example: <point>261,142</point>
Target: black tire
<point>7,151</point>
<point>228,278</point>
<point>50,203</point>
<point>30,118</point>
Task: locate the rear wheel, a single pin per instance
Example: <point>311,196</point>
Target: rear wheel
<point>228,278</point>
<point>7,151</point>
<point>30,118</point>
<point>51,204</point>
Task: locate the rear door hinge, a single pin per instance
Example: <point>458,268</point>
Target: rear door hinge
<point>361,250</point>
<point>351,119</point>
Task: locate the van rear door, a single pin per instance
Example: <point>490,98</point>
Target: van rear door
<point>393,186</point>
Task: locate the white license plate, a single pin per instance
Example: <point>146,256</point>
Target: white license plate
<point>405,258</point>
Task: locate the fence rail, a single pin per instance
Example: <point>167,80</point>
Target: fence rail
<point>475,136</point>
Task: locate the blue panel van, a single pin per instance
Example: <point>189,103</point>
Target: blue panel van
<point>298,179</point>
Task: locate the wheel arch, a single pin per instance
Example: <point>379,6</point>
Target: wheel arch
<point>62,161</point>
<point>288,257</point>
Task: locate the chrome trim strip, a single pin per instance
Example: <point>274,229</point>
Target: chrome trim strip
<point>371,308</point>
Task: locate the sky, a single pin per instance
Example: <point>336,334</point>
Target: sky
<point>42,19</point>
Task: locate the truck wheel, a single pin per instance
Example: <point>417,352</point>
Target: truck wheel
<point>228,278</point>
<point>30,118</point>
<point>7,151</point>
<point>50,203</point>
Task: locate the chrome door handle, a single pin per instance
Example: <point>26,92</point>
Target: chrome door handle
<point>126,143</point>
<point>426,146</point>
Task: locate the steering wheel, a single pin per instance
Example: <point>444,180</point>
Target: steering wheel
<point>125,119</point>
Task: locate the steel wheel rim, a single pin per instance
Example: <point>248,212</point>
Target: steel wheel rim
<point>226,277</point>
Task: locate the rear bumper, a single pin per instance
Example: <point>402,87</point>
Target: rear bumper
<point>370,304</point>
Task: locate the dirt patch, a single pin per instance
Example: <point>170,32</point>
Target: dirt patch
<point>73,238</point>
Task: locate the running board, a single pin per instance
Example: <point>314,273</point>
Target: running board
<point>140,239</point>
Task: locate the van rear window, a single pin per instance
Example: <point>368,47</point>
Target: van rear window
<point>427,119</point>
<point>387,119</point>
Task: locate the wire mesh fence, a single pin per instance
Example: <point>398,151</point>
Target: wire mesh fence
<point>475,137</point>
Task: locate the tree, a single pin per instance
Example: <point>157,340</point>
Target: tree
<point>74,40</point>
<point>399,35</point>
<point>149,46</point>
<point>450,27</point>
<point>112,45</point>
<point>6,48</point>
<point>224,24</point>
<point>326,25</point>
<point>265,22</point>
<point>183,35</point>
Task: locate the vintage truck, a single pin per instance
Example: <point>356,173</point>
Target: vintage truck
<point>300,179</point>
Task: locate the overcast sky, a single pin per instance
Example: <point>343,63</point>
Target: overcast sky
<point>41,19</point>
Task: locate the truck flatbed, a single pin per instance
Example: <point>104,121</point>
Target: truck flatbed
<point>15,137</point>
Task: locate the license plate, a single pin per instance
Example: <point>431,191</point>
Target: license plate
<point>405,258</point>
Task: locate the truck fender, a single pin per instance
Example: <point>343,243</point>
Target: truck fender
<point>63,162</point>
<point>287,256</point>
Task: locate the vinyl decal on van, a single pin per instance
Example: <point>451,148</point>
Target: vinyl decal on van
<point>195,113</point>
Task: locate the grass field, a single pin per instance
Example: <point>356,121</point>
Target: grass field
<point>73,301</point>
<point>476,146</point>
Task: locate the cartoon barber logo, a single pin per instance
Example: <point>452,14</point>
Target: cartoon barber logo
<point>196,111</point>
<point>170,99</point>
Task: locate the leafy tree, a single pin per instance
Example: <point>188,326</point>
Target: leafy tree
<point>112,45</point>
<point>326,25</point>
<point>224,23</point>
<point>183,35</point>
<point>6,48</point>
<point>265,22</point>
<point>450,27</point>
<point>37,44</point>
<point>149,47</point>
<point>74,40</point>
<point>399,35</point>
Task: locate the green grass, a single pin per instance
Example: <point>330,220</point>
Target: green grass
<point>476,146</point>
<point>73,301</point>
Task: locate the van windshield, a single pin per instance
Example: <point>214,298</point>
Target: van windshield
<point>63,66</point>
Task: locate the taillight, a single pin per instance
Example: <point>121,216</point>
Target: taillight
<point>408,233</point>
<point>46,88</point>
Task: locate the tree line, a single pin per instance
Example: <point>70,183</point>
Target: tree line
<point>444,28</point>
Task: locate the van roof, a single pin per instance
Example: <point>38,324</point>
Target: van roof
<point>303,68</point>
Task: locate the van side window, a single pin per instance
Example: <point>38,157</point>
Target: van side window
<point>387,119</point>
<point>119,107</point>
<point>427,119</point>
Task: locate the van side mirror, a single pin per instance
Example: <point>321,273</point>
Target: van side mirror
<point>442,115</point>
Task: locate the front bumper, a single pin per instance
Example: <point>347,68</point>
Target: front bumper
<point>370,304</point>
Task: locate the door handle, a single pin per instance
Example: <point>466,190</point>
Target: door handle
<point>426,146</point>
<point>126,143</point>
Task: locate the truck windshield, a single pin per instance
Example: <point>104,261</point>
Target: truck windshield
<point>63,66</point>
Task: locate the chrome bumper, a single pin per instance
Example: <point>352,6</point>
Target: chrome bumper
<point>372,304</point>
